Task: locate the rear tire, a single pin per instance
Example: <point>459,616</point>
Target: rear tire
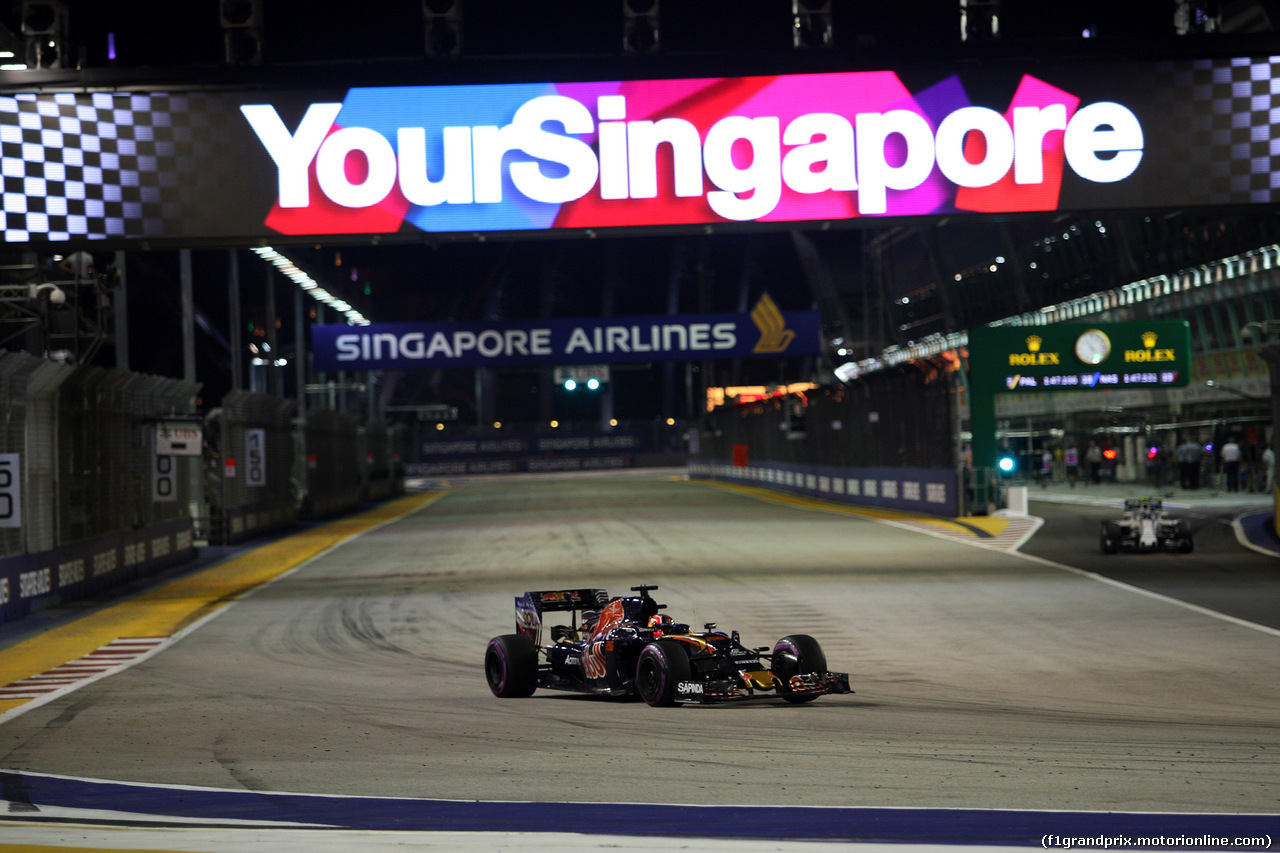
<point>511,666</point>
<point>1110,537</point>
<point>795,655</point>
<point>1185,543</point>
<point>661,666</point>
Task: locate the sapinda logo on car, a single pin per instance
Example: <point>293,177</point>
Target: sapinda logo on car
<point>820,146</point>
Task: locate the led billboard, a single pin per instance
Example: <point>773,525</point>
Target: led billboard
<point>535,157</point>
<point>1081,356</point>
<point>1069,357</point>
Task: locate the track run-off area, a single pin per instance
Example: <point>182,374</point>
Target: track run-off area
<point>333,679</point>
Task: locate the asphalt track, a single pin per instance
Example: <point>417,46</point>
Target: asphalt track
<point>1000,698</point>
<point>1219,574</point>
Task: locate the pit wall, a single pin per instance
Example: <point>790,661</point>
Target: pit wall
<point>33,582</point>
<point>931,491</point>
<point>887,440</point>
<point>87,501</point>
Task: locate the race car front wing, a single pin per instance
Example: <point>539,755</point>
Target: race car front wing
<point>751,686</point>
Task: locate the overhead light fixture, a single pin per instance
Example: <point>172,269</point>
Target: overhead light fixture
<point>443,20</point>
<point>640,26</point>
<point>811,23</point>
<point>44,33</point>
<point>291,271</point>
<point>242,31</point>
<point>979,20</point>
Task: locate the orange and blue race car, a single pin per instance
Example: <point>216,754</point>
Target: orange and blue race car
<point>626,646</point>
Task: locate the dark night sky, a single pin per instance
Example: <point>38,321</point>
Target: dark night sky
<point>168,33</point>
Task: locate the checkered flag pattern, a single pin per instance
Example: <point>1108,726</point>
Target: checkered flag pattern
<point>102,166</point>
<point>1223,113</point>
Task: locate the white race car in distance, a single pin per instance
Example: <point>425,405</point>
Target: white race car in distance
<point>1145,527</point>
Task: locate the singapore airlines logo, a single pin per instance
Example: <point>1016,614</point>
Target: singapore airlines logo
<point>774,334</point>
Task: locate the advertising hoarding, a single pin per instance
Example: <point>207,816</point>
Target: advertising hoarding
<point>1096,357</point>
<point>1081,356</point>
<point>766,331</point>
<point>544,157</point>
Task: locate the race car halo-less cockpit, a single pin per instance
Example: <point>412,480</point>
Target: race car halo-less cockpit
<point>1145,527</point>
<point>625,646</point>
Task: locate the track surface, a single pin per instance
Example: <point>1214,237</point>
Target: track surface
<point>983,679</point>
<point>1219,574</point>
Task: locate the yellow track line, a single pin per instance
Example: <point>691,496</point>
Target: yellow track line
<point>167,609</point>
<point>991,525</point>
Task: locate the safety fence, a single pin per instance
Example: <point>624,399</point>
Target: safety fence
<point>381,450</point>
<point>269,469</point>
<point>333,463</point>
<point>108,475</point>
<point>85,499</point>
<point>890,439</point>
<point>250,485</point>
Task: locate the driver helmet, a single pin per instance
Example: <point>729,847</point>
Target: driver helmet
<point>660,620</point>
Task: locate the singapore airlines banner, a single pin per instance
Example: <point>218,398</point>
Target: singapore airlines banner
<point>764,332</point>
<point>476,159</point>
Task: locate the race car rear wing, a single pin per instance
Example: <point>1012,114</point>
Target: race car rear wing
<point>531,606</point>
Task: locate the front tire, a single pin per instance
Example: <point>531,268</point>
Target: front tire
<point>660,667</point>
<point>1110,537</point>
<point>511,666</point>
<point>796,655</point>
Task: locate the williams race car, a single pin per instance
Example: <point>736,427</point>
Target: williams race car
<point>1145,527</point>
<point>625,646</point>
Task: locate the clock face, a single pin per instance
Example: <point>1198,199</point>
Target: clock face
<point>1093,346</point>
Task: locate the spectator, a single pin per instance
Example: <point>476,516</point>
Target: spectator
<point>1154,478</point>
<point>1072,457</point>
<point>1230,456</point>
<point>1188,454</point>
<point>80,266</point>
<point>1093,457</point>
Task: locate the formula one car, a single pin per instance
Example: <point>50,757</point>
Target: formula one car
<point>624,647</point>
<point>1145,527</point>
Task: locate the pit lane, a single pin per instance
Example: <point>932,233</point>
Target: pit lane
<point>984,680</point>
